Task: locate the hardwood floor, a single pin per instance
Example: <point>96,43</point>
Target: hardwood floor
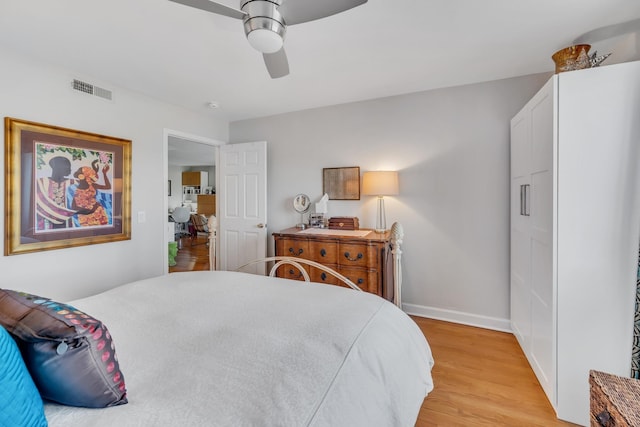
<point>191,256</point>
<point>481,377</point>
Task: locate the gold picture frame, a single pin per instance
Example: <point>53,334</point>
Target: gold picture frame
<point>64,187</point>
<point>341,183</point>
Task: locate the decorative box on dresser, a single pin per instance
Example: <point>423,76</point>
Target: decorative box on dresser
<point>366,261</point>
<point>575,226</point>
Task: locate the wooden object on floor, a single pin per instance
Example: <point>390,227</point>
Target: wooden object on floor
<point>363,260</point>
<point>206,204</point>
<point>614,400</point>
<point>198,224</point>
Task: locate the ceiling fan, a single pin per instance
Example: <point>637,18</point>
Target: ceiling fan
<point>265,22</point>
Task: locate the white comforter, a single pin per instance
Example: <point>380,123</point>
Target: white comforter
<point>234,349</point>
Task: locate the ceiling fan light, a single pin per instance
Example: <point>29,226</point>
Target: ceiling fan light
<point>265,41</point>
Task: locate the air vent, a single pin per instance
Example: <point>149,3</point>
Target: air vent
<point>85,87</point>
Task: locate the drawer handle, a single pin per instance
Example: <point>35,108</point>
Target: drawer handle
<point>323,276</point>
<point>360,281</point>
<point>292,272</point>
<point>603,418</point>
<point>323,252</point>
<point>294,252</point>
<point>347,255</point>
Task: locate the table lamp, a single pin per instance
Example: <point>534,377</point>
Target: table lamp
<point>380,183</point>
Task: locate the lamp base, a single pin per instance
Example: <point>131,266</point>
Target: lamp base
<point>381,219</point>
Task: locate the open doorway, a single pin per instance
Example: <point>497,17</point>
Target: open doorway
<point>191,187</point>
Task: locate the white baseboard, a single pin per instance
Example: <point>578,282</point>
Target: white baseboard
<point>494,323</point>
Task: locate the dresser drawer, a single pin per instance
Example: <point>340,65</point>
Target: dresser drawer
<point>320,276</point>
<point>293,247</point>
<point>357,258</point>
<point>289,271</point>
<point>324,252</point>
<point>357,255</point>
<point>367,280</point>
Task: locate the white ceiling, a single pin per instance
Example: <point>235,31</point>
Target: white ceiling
<point>190,57</point>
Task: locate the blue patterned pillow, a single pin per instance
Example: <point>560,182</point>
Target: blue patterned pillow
<point>20,402</point>
<point>69,354</point>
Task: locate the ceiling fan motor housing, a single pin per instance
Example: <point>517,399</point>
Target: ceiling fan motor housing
<point>264,26</point>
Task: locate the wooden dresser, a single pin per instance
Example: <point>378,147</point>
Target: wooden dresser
<point>366,261</point>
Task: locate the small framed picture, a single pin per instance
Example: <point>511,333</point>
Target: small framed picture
<point>341,183</point>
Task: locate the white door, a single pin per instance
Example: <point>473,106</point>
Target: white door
<point>542,347</point>
<point>243,205</point>
<point>532,295</point>
<point>520,225</point>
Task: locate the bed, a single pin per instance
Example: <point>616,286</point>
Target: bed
<point>220,348</point>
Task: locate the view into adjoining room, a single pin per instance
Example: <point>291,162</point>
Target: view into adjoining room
<point>190,191</point>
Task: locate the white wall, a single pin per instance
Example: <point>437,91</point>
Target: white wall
<point>451,148</point>
<point>37,92</point>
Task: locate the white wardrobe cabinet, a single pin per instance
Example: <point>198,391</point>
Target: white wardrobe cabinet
<point>575,228</point>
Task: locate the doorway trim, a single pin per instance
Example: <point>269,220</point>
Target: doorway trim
<point>166,133</point>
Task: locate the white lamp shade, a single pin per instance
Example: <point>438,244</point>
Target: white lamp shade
<point>265,41</point>
<point>380,183</point>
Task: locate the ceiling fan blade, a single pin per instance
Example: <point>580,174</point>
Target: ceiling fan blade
<point>299,11</point>
<point>213,7</point>
<point>276,63</point>
<point>609,31</point>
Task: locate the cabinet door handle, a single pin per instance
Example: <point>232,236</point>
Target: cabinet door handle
<point>347,255</point>
<point>527,197</point>
<point>360,281</point>
<point>521,199</point>
<point>323,276</point>
<point>294,252</point>
<point>323,253</point>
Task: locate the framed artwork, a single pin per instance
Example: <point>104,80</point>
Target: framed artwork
<point>64,188</point>
<point>341,183</point>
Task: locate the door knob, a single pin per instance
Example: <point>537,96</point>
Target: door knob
<point>261,225</point>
